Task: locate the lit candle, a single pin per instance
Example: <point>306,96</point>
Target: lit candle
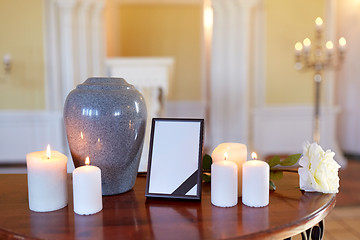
<point>307,45</point>
<point>224,183</point>
<point>329,47</point>
<point>87,189</point>
<point>237,153</point>
<point>318,23</point>
<point>47,180</point>
<point>255,183</point>
<point>298,48</point>
<point>342,44</point>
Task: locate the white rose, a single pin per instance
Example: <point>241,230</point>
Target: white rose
<point>319,170</point>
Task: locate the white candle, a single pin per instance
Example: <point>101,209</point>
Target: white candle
<point>255,183</point>
<point>318,23</point>
<point>87,189</point>
<point>329,47</point>
<point>307,45</point>
<point>47,180</point>
<point>342,44</point>
<point>298,48</point>
<point>237,153</point>
<point>224,184</point>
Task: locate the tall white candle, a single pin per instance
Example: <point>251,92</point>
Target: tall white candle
<point>318,23</point>
<point>224,183</point>
<point>255,183</point>
<point>298,48</point>
<point>329,47</point>
<point>87,189</point>
<point>47,180</point>
<point>237,153</point>
<point>342,44</point>
<point>306,45</point>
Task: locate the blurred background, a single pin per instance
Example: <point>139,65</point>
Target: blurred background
<point>229,62</point>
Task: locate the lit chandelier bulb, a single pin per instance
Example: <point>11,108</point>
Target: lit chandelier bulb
<point>329,47</point>
<point>342,44</point>
<point>298,48</point>
<point>319,22</point>
<point>307,44</point>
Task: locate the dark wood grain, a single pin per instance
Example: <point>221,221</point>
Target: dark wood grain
<point>132,216</point>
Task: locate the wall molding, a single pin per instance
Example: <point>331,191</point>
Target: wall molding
<point>30,131</point>
<point>185,109</point>
<point>284,129</point>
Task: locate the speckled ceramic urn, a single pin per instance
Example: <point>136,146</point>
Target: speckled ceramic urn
<point>105,119</point>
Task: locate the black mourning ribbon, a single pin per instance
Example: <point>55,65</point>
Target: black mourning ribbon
<point>187,185</point>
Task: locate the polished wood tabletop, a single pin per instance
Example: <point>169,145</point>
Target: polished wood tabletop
<point>131,216</point>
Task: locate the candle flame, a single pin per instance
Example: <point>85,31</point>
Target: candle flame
<point>48,151</point>
<point>342,41</point>
<point>329,45</point>
<point>254,155</point>
<point>318,21</point>
<point>81,135</point>
<point>298,46</point>
<point>307,42</point>
<point>87,161</point>
<point>225,155</point>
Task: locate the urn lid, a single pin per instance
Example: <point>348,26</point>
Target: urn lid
<point>105,83</point>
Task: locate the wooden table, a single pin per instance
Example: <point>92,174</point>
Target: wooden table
<point>132,216</point>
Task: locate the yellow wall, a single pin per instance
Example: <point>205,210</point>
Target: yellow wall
<point>286,23</point>
<point>156,30</point>
<point>164,30</point>
<point>21,36</point>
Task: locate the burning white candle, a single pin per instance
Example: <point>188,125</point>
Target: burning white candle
<point>237,153</point>
<point>329,47</point>
<point>47,180</point>
<point>224,182</point>
<point>255,183</point>
<point>319,23</point>
<point>87,189</point>
<point>298,48</point>
<point>307,45</point>
<point>342,44</point>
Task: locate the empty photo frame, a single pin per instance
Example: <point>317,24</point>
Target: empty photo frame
<point>175,158</point>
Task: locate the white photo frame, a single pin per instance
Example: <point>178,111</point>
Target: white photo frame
<point>175,158</point>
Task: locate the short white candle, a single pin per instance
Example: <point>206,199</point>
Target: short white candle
<point>87,189</point>
<point>255,183</point>
<point>237,153</point>
<point>47,180</point>
<point>224,184</point>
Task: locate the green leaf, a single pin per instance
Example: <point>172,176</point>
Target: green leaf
<point>290,160</point>
<point>276,175</point>
<point>206,177</point>
<point>274,161</point>
<point>207,161</point>
<point>272,185</point>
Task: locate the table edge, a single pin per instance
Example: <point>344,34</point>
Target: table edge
<point>296,227</point>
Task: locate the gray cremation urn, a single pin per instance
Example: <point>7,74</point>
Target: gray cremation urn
<point>105,119</point>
